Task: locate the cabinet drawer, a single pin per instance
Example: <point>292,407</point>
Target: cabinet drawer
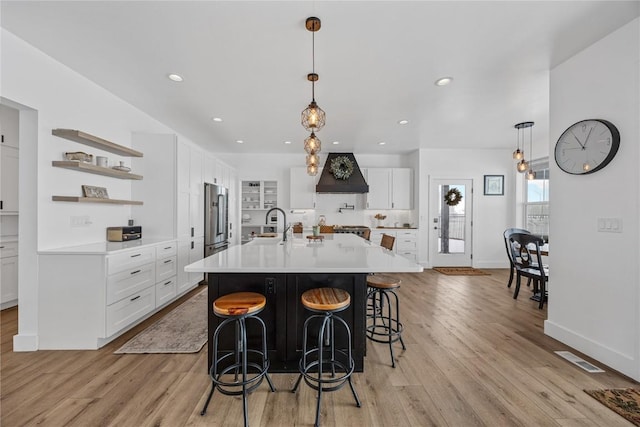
<point>125,312</point>
<point>411,234</point>
<point>165,268</point>
<point>166,250</point>
<point>8,249</point>
<point>130,259</point>
<point>406,244</point>
<point>165,291</point>
<point>413,256</point>
<point>126,283</point>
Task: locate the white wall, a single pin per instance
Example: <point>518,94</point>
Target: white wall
<point>594,279</point>
<point>491,214</point>
<point>49,95</point>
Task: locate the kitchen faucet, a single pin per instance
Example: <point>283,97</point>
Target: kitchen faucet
<point>286,227</point>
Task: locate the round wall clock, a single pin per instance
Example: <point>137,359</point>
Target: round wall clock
<point>587,146</point>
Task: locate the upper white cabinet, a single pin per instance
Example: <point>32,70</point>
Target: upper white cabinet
<point>389,188</point>
<point>302,187</point>
<point>10,124</point>
<point>9,180</point>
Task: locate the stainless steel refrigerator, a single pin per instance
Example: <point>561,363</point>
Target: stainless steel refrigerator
<point>216,219</point>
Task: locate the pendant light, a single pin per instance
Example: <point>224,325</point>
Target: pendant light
<point>531,175</point>
<point>522,165</point>
<point>518,154</point>
<point>313,117</point>
<point>312,145</point>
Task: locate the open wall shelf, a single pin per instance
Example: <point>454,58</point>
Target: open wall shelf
<point>95,142</point>
<point>76,199</point>
<point>98,170</point>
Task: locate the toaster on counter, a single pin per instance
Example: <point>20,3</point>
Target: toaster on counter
<point>123,234</point>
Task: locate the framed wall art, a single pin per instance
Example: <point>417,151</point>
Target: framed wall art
<point>494,185</point>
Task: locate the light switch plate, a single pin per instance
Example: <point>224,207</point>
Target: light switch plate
<point>610,225</point>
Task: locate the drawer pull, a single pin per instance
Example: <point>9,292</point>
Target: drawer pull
<point>168,247</point>
<point>1,247</point>
<point>136,272</point>
<point>168,283</point>
<point>134,298</point>
<point>168,261</point>
<point>133,256</point>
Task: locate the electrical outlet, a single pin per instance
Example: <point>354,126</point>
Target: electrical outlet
<point>80,221</point>
<point>270,284</point>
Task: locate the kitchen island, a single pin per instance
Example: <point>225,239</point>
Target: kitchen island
<point>283,270</point>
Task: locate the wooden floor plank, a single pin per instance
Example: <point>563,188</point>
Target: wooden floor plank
<point>475,357</point>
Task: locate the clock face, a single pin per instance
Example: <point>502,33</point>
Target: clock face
<point>587,146</point>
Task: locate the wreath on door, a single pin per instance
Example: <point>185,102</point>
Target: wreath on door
<point>453,197</point>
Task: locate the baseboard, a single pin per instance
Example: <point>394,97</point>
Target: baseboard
<point>622,363</point>
<point>25,342</point>
<point>8,304</point>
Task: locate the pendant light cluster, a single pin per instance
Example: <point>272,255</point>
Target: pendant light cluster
<point>522,164</point>
<point>313,117</point>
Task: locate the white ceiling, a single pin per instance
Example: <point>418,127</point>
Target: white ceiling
<point>247,62</point>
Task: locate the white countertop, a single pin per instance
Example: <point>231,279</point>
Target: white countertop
<point>337,253</point>
<point>103,248</point>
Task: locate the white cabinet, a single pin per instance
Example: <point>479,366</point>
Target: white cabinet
<point>196,192</point>
<point>10,119</point>
<point>405,244</point>
<point>257,197</point>
<point>389,188</point>
<point>302,189</point>
<point>99,296</point>
<point>8,274</point>
<point>9,179</point>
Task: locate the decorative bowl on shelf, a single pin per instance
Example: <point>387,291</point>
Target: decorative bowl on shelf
<point>122,168</point>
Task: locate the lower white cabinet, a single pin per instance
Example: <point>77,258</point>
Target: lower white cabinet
<point>8,274</point>
<point>406,243</point>
<point>88,297</point>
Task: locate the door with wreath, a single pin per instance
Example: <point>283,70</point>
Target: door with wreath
<point>450,215</point>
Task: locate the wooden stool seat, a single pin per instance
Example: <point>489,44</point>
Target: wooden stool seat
<point>239,303</point>
<point>326,299</point>
<point>383,282</point>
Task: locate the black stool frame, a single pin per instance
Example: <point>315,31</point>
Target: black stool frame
<point>385,328</point>
<point>317,382</point>
<point>240,365</point>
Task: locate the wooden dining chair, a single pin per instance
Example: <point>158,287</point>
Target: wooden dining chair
<point>528,263</point>
<point>510,254</point>
<point>387,241</point>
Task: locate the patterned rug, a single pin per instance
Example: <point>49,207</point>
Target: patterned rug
<point>183,330</point>
<point>461,271</point>
<point>624,401</point>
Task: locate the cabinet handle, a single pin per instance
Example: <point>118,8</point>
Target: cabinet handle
<point>192,232</point>
<point>136,272</point>
<point>2,138</point>
<point>134,298</point>
<point>133,256</point>
<point>192,245</point>
<point>168,261</point>
<point>1,247</point>
<point>168,247</point>
<point>0,204</point>
<point>168,283</point>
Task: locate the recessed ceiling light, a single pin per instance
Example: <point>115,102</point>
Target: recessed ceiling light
<point>336,142</point>
<point>403,122</point>
<point>381,143</point>
<point>240,141</point>
<point>287,142</point>
<point>175,77</point>
<point>217,119</point>
<point>443,81</point>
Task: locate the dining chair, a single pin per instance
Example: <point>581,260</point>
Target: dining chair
<point>528,263</point>
<point>366,235</point>
<point>506,234</point>
<point>387,241</point>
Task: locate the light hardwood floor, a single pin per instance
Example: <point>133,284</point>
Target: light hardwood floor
<point>474,357</point>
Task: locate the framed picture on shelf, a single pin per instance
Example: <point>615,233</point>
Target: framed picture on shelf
<point>494,185</point>
<point>94,192</point>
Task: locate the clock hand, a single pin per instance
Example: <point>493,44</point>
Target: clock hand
<point>585,141</point>
<point>574,135</point>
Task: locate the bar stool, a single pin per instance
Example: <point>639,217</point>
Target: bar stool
<point>236,309</point>
<point>326,302</point>
<point>383,322</point>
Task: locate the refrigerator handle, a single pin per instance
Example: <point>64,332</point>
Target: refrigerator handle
<point>220,216</point>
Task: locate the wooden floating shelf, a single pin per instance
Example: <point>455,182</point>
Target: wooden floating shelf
<point>95,142</point>
<point>98,170</point>
<point>76,199</point>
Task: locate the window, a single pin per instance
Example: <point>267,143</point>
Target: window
<point>536,204</point>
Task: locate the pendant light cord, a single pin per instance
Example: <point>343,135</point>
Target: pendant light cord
<point>313,65</point>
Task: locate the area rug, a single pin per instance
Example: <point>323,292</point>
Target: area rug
<point>183,330</point>
<point>461,271</point>
<point>624,401</point>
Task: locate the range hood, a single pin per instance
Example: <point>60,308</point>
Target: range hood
<point>329,184</point>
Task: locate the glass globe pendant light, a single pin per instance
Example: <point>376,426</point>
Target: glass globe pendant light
<point>522,165</point>
<point>312,145</point>
<point>518,154</point>
<point>531,175</point>
<point>313,117</point>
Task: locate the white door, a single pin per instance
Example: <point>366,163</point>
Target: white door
<point>450,223</point>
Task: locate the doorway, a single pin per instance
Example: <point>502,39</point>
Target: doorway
<point>450,213</point>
